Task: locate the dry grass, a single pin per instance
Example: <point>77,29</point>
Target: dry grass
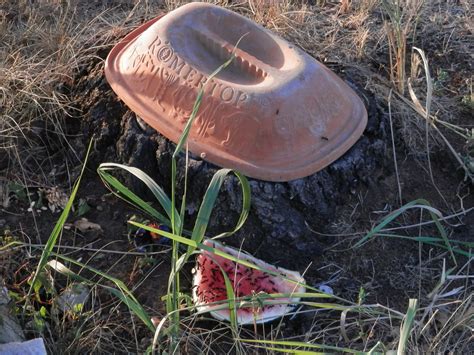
<point>45,46</point>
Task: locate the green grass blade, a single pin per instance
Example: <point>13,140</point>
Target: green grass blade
<point>174,214</point>
<point>244,184</point>
<point>406,326</point>
<point>123,293</point>
<point>419,203</point>
<point>278,299</point>
<point>53,238</point>
<point>63,269</point>
<point>291,351</point>
<point>436,241</point>
<point>172,303</point>
<point>122,192</point>
<point>209,200</point>
<point>118,188</point>
<point>301,344</point>
<point>375,347</point>
<point>197,103</point>
<point>132,304</point>
<point>231,301</point>
<point>330,306</point>
<point>185,190</point>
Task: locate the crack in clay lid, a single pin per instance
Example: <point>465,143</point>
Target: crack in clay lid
<point>274,114</point>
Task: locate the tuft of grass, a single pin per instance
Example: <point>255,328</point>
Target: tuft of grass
<point>402,16</point>
<point>435,215</point>
<point>43,46</point>
<point>466,163</point>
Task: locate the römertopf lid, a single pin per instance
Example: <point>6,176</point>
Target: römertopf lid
<point>274,114</point>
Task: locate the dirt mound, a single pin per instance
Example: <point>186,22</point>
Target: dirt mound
<point>279,210</point>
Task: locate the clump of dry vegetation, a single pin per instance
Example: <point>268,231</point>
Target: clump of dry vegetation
<point>46,45</point>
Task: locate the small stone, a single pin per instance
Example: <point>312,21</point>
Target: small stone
<point>84,226</point>
<point>3,222</point>
<point>326,289</point>
<point>73,298</point>
<point>100,208</point>
<point>10,329</point>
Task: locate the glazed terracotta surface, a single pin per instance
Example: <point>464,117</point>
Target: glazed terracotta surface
<point>274,114</point>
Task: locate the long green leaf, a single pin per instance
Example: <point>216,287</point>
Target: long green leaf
<point>132,304</point>
<point>435,241</point>
<point>419,203</point>
<point>208,203</point>
<point>291,351</point>
<point>122,192</point>
<point>53,238</point>
<point>231,299</point>
<point>157,191</point>
<point>197,103</point>
<point>406,326</point>
<point>123,293</point>
<point>301,344</point>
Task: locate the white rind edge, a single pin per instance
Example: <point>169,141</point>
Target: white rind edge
<point>247,318</point>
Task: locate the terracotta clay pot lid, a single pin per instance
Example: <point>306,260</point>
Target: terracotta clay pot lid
<point>274,114</point>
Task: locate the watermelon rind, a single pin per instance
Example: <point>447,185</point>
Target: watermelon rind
<point>247,315</point>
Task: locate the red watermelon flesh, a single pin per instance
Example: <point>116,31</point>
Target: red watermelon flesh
<point>209,285</point>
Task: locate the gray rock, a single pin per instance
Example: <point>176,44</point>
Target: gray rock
<point>30,347</point>
<point>10,330</point>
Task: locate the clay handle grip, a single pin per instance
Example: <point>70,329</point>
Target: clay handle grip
<point>243,60</point>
